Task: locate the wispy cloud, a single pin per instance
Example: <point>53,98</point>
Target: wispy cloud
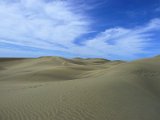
<point>56,25</point>
<point>41,24</point>
<point>120,41</point>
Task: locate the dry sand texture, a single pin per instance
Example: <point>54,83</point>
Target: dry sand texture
<point>55,88</point>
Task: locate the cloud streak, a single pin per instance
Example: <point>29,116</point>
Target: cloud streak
<point>37,23</point>
<point>56,25</point>
<point>124,42</point>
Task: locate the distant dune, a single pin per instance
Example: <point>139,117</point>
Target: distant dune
<point>56,88</point>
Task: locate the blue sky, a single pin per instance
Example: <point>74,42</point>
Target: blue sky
<point>112,29</point>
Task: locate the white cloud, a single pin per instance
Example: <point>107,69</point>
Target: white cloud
<point>121,41</point>
<point>40,24</point>
<point>55,25</point>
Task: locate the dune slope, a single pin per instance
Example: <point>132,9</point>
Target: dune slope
<point>55,88</point>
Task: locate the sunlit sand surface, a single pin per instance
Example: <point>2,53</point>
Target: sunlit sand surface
<point>55,88</point>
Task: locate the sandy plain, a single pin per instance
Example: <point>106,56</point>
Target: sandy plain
<point>55,88</point>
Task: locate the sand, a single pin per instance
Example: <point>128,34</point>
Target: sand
<point>55,88</point>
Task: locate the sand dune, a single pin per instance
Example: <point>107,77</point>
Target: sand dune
<point>55,88</point>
